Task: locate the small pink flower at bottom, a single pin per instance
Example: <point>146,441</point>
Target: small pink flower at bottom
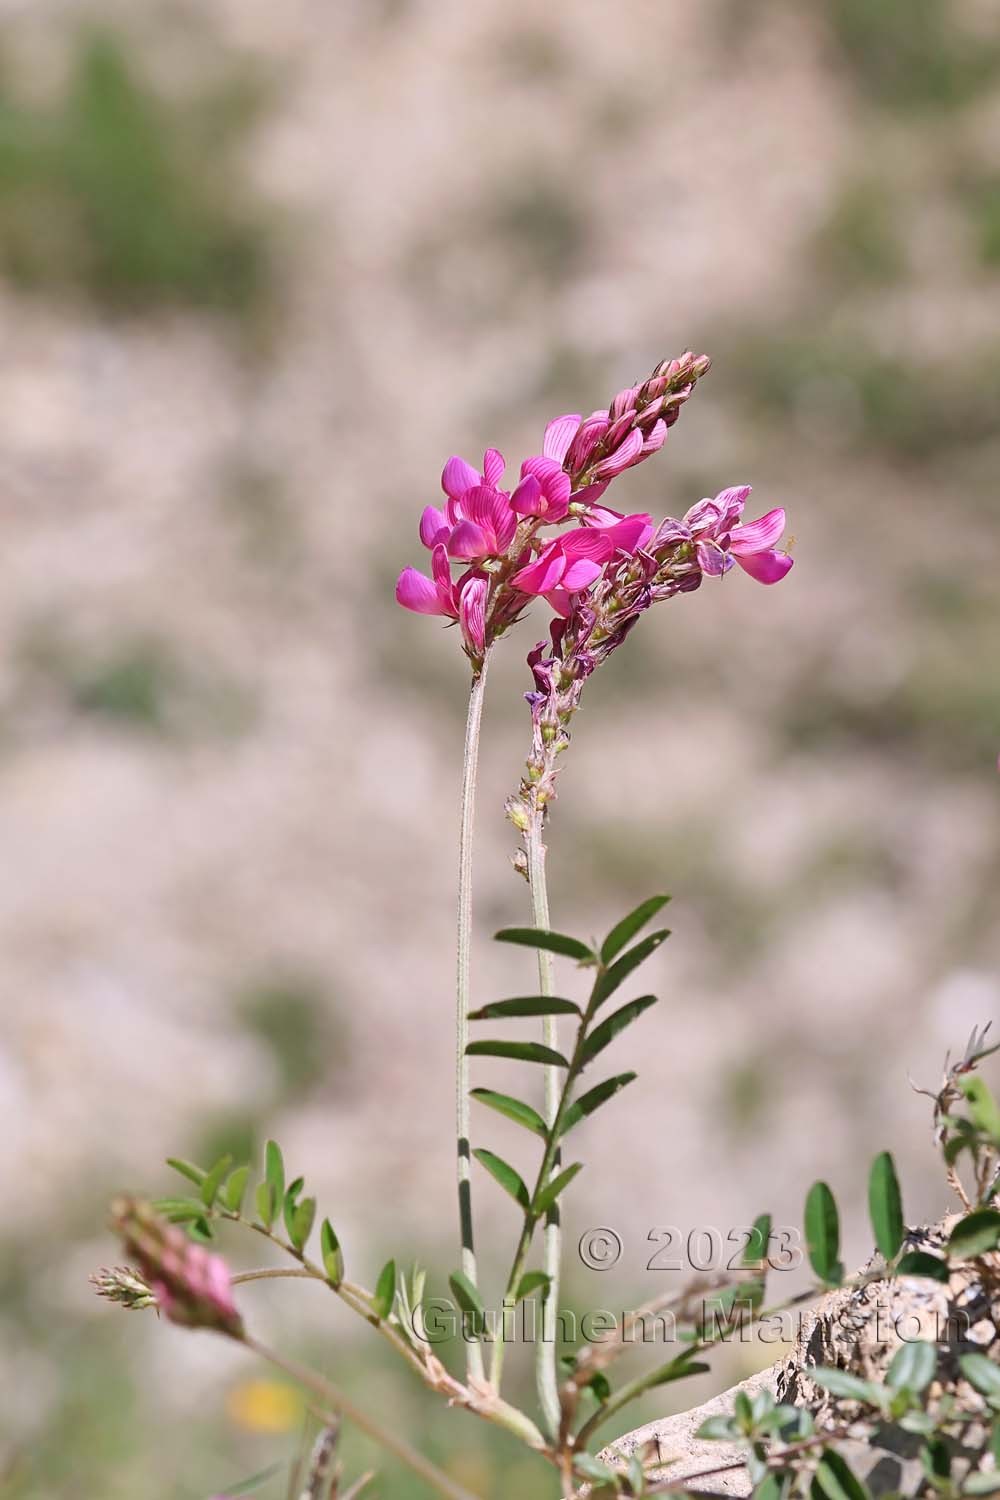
<point>463,600</point>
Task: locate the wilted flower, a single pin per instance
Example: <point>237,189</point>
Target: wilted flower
<point>191,1285</point>
<point>721,539</point>
<point>123,1284</point>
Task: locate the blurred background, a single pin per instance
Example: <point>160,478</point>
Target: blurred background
<point>262,268</point>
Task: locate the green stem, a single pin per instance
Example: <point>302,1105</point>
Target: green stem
<point>470,766</point>
<point>545,1354</point>
<point>338,1402</point>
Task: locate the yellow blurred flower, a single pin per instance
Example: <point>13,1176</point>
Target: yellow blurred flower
<point>264,1406</point>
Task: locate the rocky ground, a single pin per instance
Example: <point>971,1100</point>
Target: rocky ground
<point>227,763</point>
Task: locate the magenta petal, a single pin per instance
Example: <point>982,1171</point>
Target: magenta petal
<point>544,573</point>
<point>472,611</point>
<point>504,523</point>
<point>561,601</point>
<point>558,435</point>
<point>527,498</point>
<point>586,440</point>
<point>601,515</point>
<point>712,560</point>
<point>441,569</point>
<point>580,573</point>
<point>632,532</point>
<point>703,517</point>
<point>625,454</point>
<point>457,476</point>
<point>589,541</point>
<point>468,542</point>
<point>766,567</point>
<point>417,592</point>
<point>655,438</point>
<point>434,526</point>
<point>624,401</point>
<point>543,468</point>
<point>493,465</point>
<point>591,493</point>
<point>478,506</point>
<point>730,504</point>
<point>759,535</point>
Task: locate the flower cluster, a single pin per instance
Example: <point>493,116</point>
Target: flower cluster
<point>190,1285</point>
<point>593,620</point>
<point>494,533</point>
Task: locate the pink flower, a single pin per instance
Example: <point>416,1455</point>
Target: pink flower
<point>572,562</point>
<point>486,526</point>
<point>544,489</point>
<point>477,521</point>
<point>463,600</point>
<point>627,533</point>
<point>721,539</point>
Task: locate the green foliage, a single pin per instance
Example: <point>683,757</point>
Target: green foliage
<point>885,1206</point>
<point>622,934</point>
<point>976,1234</point>
<point>514,1109</point>
<point>290,1015</point>
<point>912,54</point>
<point>551,942</point>
<point>129,197</point>
<point>822,1226</point>
<point>540,224</point>
<point>904,410</point>
<point>385,1290</point>
<point>550,1192</point>
<point>860,244</point>
<point>505,1175</point>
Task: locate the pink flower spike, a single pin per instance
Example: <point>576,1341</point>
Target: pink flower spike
<point>493,466</point>
<point>434,526</point>
<point>457,476</point>
<point>558,435</point>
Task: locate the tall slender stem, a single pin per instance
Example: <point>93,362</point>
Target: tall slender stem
<point>474,1353</point>
<point>545,1353</point>
<point>344,1406</point>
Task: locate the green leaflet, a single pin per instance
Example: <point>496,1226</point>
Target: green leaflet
<point>504,1173</point>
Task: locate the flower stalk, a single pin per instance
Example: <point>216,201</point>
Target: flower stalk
<point>470,767</point>
<point>545,1354</point>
